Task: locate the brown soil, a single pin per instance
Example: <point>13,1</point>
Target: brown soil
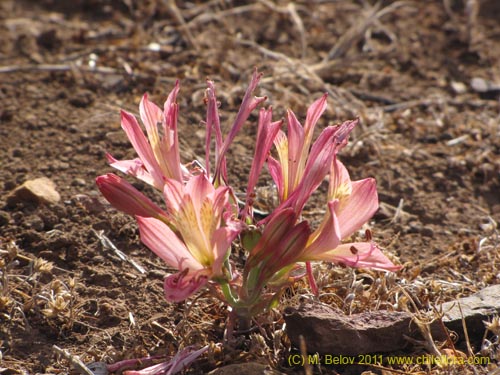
<point>430,139</point>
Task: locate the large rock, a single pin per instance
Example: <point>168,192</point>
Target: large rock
<point>327,330</point>
<point>476,309</point>
<point>39,190</point>
<point>330,331</point>
<point>245,369</point>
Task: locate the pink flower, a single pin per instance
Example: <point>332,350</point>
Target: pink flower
<point>301,167</point>
<point>293,151</point>
<point>351,204</point>
<point>158,155</point>
<point>199,244</point>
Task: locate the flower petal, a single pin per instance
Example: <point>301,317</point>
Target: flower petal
<point>266,132</point>
<point>124,197</point>
<point>199,187</point>
<point>340,182</point>
<point>326,237</point>
<point>182,285</point>
<point>276,172</point>
<point>314,112</point>
<point>160,239</point>
<point>360,255</point>
<point>142,147</point>
<point>357,208</point>
<point>248,104</point>
<point>213,124</point>
<point>151,116</point>
<point>222,240</point>
<point>134,167</point>
<point>297,151</point>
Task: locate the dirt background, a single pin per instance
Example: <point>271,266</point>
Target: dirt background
<point>420,75</point>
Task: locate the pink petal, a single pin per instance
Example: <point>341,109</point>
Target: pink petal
<point>326,237</point>
<point>160,239</point>
<point>165,149</point>
<point>182,285</point>
<point>276,173</point>
<point>248,104</point>
<point>343,131</point>
<point>360,255</point>
<point>213,124</point>
<point>134,167</point>
<point>151,116</point>
<point>171,112</point>
<point>317,167</point>
<point>172,97</point>
<point>340,182</point>
<point>222,239</point>
<point>297,151</point>
<point>266,133</point>
<point>314,112</point>
<point>123,196</point>
<point>282,180</point>
<point>170,144</point>
<point>357,208</point>
<point>173,192</point>
<point>142,147</point>
<point>199,187</point>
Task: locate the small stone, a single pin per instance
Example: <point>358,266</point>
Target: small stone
<point>91,203</point>
<point>483,86</point>
<point>82,99</point>
<point>458,87</point>
<point>17,152</point>
<point>4,218</point>
<point>78,182</point>
<point>35,223</point>
<point>39,190</point>
<point>427,231</point>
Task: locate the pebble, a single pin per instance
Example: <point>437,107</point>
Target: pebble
<point>38,190</point>
<point>4,218</point>
<point>82,99</point>
<point>427,231</point>
<point>78,182</point>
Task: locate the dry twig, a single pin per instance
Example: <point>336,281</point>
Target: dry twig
<point>107,244</point>
<point>356,32</point>
<point>74,360</point>
<point>184,28</point>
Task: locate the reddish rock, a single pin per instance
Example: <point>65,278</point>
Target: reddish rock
<point>245,369</point>
<point>326,330</point>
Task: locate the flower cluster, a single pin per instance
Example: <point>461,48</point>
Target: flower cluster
<point>202,219</point>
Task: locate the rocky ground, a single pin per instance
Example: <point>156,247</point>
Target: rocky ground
<point>423,77</point>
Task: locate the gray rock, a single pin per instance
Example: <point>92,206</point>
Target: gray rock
<point>476,309</point>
